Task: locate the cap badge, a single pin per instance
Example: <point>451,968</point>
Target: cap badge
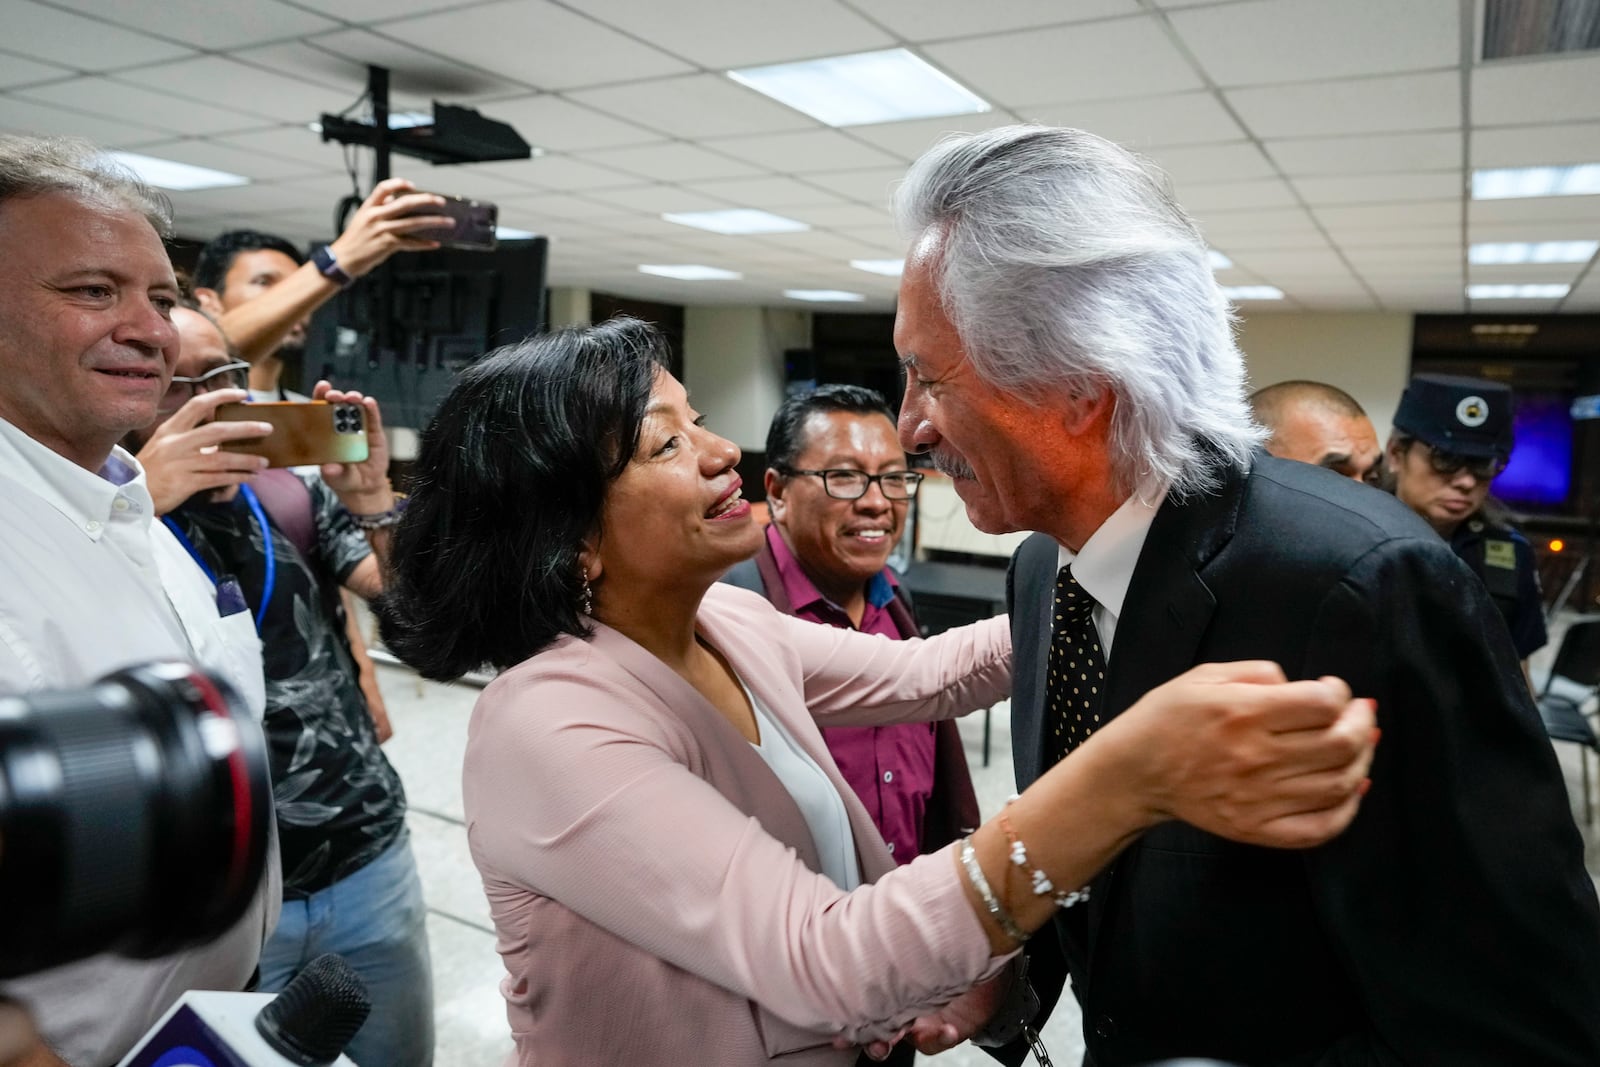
<point>1473,411</point>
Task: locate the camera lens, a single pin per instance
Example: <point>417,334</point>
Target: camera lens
<point>134,816</point>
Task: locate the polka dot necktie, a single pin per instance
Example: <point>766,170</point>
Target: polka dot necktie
<point>1073,690</point>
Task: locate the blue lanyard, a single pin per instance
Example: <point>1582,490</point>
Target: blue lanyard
<point>260,514</point>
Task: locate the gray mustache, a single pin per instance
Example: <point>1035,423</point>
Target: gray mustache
<point>951,466</point>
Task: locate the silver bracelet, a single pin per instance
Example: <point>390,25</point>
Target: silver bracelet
<point>1002,918</point>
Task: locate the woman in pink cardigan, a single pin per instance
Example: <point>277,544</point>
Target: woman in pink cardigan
<point>677,872</point>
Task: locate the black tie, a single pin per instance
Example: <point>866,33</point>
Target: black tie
<point>1077,667</point>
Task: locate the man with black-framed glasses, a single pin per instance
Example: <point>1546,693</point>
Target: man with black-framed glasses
<point>838,489</point>
<point>1452,437</point>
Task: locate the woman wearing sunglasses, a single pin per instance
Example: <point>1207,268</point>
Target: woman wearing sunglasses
<point>676,870</point>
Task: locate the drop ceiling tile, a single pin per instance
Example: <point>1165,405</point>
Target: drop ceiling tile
<point>1236,196</point>
<point>669,162</point>
<point>933,20</point>
<point>1262,42</point>
<point>1364,105</point>
<point>15,71</point>
<point>1540,209</point>
<point>805,151</point>
<point>1227,225</point>
<point>819,242</point>
<point>1146,122</point>
<point>226,83</point>
<point>839,216</point>
<point>246,200</point>
<point>1382,154</point>
<point>339,60</point>
<point>288,142</point>
<point>1521,146</point>
<point>257,166</point>
<point>697,105</point>
<point>718,35</point>
<point>660,198</point>
<point>110,99</point>
<point>872,187</point>
<point>1194,164</point>
<point>908,140</point>
<point>560,173</point>
<point>25,116</point>
<point>82,43</point>
<point>560,206</point>
<point>557,124</point>
<point>380,10</point>
<point>1443,213</point>
<point>1380,188</point>
<point>767,193</point>
<point>202,24</point>
<point>535,43</point>
<point>1545,90</point>
<point>1268,240</point>
<point>1091,61</point>
<point>1395,236</point>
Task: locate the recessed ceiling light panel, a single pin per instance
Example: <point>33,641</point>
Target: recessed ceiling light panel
<point>1495,253</point>
<point>736,221</point>
<point>1515,182</point>
<point>824,296</point>
<point>1252,292</point>
<point>689,272</point>
<point>1518,292</point>
<point>867,87</point>
<point>180,177</point>
<point>892,268</point>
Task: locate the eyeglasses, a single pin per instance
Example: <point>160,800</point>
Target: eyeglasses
<point>228,376</point>
<point>853,485</point>
<point>1447,464</point>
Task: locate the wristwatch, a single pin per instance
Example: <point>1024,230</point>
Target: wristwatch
<point>323,259</point>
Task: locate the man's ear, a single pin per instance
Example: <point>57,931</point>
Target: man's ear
<point>209,300</point>
<point>1080,411</point>
<point>774,484</point>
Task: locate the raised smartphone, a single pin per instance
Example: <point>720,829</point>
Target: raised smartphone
<point>474,225</point>
<point>303,432</point>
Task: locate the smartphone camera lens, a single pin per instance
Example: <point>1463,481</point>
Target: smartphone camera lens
<point>347,419</point>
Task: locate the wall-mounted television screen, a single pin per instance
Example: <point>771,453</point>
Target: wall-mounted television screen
<point>1539,476</point>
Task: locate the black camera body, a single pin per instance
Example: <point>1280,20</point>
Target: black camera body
<point>135,816</point>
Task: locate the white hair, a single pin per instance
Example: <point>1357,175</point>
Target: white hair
<point>36,166</point>
<point>1064,262</point>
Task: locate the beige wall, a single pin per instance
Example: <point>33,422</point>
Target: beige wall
<point>733,366</point>
<point>1366,355</point>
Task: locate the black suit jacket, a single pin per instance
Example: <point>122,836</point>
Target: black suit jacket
<point>1452,924</point>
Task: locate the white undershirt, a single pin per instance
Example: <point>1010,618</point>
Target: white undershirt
<point>813,793</point>
<point>1104,565</point>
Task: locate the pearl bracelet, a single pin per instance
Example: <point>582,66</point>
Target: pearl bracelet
<point>1002,918</point>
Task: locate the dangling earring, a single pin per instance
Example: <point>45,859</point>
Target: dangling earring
<point>586,597</point>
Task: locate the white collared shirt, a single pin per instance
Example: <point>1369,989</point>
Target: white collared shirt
<point>91,582</point>
<point>1104,565</point>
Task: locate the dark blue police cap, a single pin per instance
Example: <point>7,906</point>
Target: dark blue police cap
<point>1466,416</point>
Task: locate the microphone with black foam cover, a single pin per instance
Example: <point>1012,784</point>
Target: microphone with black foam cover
<point>307,1025</point>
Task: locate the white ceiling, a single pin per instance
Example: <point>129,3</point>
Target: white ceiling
<point>1324,147</point>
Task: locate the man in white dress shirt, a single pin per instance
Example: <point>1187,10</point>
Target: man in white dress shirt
<point>89,581</point>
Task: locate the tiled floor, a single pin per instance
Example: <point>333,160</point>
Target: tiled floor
<point>430,730</point>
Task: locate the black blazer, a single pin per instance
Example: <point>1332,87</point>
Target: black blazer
<point>1452,924</point>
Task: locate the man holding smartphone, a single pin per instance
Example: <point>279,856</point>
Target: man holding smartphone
<point>287,540</point>
<point>262,290</point>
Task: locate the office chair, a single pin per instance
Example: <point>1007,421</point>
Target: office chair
<point>1577,660</point>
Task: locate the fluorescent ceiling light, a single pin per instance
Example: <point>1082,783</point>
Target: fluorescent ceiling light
<point>690,272</point>
<point>1218,260</point>
<point>867,87</point>
<point>736,221</point>
<point>507,233</point>
<point>1252,292</point>
<point>1533,252</point>
<point>1518,292</point>
<point>167,174</point>
<point>891,267</point>
<point>834,296</point>
<point>1536,181</point>
<point>405,120</point>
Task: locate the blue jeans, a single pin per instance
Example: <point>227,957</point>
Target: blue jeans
<point>375,920</point>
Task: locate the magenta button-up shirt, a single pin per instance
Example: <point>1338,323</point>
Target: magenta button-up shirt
<point>889,767</point>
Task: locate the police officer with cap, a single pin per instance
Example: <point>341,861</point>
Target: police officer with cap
<point>1451,437</point>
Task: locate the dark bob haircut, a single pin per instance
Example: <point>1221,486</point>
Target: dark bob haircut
<point>785,439</point>
<point>510,479</point>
